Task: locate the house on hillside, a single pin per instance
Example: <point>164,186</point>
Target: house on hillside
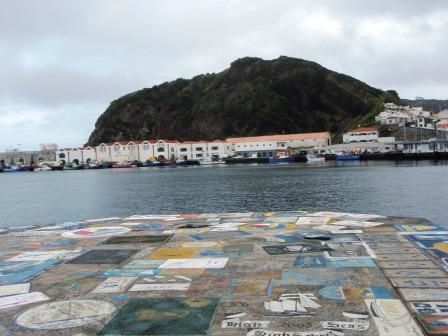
<point>361,134</point>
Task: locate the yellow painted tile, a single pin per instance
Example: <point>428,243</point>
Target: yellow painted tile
<point>174,253</point>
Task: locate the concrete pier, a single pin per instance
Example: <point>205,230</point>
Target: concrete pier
<point>256,274</point>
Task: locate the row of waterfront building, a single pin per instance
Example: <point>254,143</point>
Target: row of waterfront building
<point>356,141</point>
<point>246,147</point>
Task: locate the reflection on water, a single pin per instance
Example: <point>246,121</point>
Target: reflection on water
<point>405,188</point>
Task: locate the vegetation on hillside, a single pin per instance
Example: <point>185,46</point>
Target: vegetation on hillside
<point>252,97</point>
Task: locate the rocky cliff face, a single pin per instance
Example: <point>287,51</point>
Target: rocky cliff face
<point>252,97</point>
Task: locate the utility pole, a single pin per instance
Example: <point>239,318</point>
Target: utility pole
<point>404,131</point>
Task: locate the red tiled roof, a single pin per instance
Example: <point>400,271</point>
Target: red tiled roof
<point>168,141</point>
<point>280,137</point>
<point>365,129</point>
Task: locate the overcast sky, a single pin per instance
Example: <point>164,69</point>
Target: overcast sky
<point>63,62</point>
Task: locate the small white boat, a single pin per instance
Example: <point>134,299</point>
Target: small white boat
<point>314,157</point>
<point>43,168</point>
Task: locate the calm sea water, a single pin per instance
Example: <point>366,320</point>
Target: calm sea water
<point>407,189</point>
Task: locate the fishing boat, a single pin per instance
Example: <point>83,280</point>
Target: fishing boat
<point>282,159</point>
<point>92,166</point>
<point>167,163</point>
<point>14,169</point>
<point>136,164</point>
<point>57,167</point>
<point>72,166</point>
<point>181,162</point>
<point>123,164</point>
<point>42,168</point>
<point>314,158</point>
<point>347,157</point>
<point>151,163</point>
<point>106,165</point>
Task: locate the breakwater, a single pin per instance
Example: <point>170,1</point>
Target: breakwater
<point>249,273</point>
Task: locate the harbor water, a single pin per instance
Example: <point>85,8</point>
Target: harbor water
<point>417,189</point>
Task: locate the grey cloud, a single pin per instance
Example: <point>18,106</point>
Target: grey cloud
<point>83,54</point>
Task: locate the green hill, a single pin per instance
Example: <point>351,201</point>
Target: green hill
<point>252,97</point>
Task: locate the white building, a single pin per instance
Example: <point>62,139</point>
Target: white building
<point>361,134</point>
<point>442,119</point>
<point>137,150</point>
<point>78,154</point>
<point>122,151</point>
<point>422,146</point>
<point>262,146</point>
<point>392,118</point>
<point>103,152</point>
<point>203,150</point>
<point>401,115</point>
<point>418,112</point>
<point>423,122</point>
<point>270,145</point>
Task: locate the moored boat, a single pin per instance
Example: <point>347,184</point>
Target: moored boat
<point>282,159</point>
<point>57,167</point>
<point>151,163</point>
<point>181,162</point>
<point>106,165</point>
<point>14,169</point>
<point>123,164</point>
<point>42,168</point>
<point>347,157</point>
<point>167,163</point>
<point>92,166</point>
<point>312,157</point>
<point>72,166</point>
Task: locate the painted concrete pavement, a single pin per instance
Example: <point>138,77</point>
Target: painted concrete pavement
<point>256,274</point>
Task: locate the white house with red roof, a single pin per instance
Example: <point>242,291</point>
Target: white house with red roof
<point>103,152</point>
<point>77,154</point>
<point>138,150</point>
<point>361,134</point>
